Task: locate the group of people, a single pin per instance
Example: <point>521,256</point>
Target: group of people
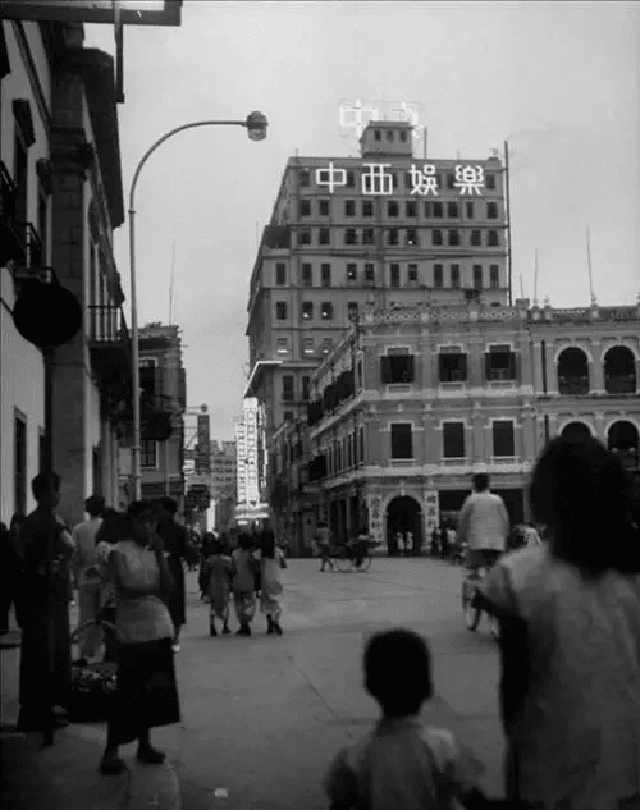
<point>249,570</point>
<point>327,548</point>
<point>569,693</point>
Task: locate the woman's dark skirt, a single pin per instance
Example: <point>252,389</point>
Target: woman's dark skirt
<point>176,601</point>
<point>146,694</point>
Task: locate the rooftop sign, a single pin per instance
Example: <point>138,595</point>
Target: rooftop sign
<point>376,180</point>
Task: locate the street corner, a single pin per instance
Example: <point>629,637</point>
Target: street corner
<point>153,787</point>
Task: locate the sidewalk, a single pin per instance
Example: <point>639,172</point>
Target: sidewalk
<point>65,776</point>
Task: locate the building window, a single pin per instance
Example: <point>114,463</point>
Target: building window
<point>455,276</point>
<point>351,236</point>
<point>307,275</point>
<point>282,346</point>
<point>428,210</point>
<point>304,178</point>
<point>324,236</point>
<point>490,181</point>
<point>438,276</point>
<point>476,238</point>
<point>20,176</point>
<point>352,272</point>
<point>390,135</point>
<point>452,365</point>
<point>394,278</point>
<point>351,178</point>
<point>500,363</point>
<point>327,345</point>
<point>412,273</point>
<point>304,208</point>
<point>325,275</point>
<point>438,210</point>
<point>350,208</point>
<point>403,136</point>
<point>323,208</point>
<point>493,239</point>
<point>494,276</point>
<point>352,310</point>
<point>309,346</point>
<point>287,416</point>
<point>397,369</point>
<point>148,453</point>
<point>393,236</point>
<point>477,277</point>
<point>411,208</point>
<point>327,311</point>
<point>392,208</point>
<point>401,441</point>
<point>367,208</point>
<point>20,464</point>
<point>492,210</point>
<point>453,440</point>
<point>504,445</point>
<point>451,181</point>
<point>470,210</point>
<point>307,310</point>
<point>281,274</point>
<point>281,311</point>
<point>43,219</point>
<point>411,238</point>
<point>436,238</point>
<point>287,388</point>
<point>369,272</point>
<point>368,236</point>
<point>452,210</point>
<point>454,238</point>
<point>304,237</point>
<point>376,135</point>
<point>306,388</point>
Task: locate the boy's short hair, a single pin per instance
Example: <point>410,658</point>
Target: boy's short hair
<point>481,482</point>
<point>397,668</point>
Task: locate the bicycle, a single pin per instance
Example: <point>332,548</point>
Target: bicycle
<point>347,559</point>
<point>472,611</point>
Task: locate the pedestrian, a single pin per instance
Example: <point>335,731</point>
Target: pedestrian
<point>243,569</point>
<point>324,538</point>
<point>46,548</point>
<point>444,540</point>
<point>402,764</point>
<point>179,551</point>
<point>483,525</point>
<point>218,566</point>
<point>87,577</point>
<point>570,633</point>
<point>10,572</point>
<point>113,530</point>
<point>399,544</point>
<point>146,694</point>
<point>204,575</point>
<point>271,562</point>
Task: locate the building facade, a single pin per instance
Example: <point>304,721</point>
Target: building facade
<point>163,404</point>
<point>483,389</point>
<point>224,482</point>
<point>62,200</point>
<point>251,464</point>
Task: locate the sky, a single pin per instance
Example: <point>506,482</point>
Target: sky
<point>557,80</point>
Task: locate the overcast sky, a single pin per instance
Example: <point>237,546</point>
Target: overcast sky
<point>558,80</point>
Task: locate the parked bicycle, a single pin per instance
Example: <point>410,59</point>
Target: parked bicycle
<point>347,557</point>
<point>471,584</point>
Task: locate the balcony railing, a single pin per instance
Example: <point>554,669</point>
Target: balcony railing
<point>573,386</point>
<point>32,245</point>
<point>620,383</point>
<point>106,324</point>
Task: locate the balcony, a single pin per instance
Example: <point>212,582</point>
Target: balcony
<point>620,384</point>
<point>573,386</point>
<point>11,246</point>
<point>110,350</point>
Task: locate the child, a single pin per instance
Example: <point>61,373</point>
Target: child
<point>401,764</point>
<point>243,567</point>
<point>270,600</point>
<point>218,569</point>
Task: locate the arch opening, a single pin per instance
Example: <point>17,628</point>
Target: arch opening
<point>624,441</point>
<point>575,430</point>
<point>573,372</point>
<point>404,519</point>
<point>620,371</point>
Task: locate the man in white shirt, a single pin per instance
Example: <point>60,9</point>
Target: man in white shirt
<point>483,525</point>
<point>87,574</point>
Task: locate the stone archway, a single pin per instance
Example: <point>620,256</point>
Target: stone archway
<point>404,514</point>
<point>575,431</point>
<point>620,370</point>
<point>573,371</point>
<point>623,440</point>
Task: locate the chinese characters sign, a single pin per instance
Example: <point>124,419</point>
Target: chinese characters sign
<point>376,525</point>
<point>432,509</point>
<point>354,115</point>
<point>375,179</point>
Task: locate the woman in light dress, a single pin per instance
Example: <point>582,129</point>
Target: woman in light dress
<point>570,638</point>
<point>272,562</point>
<point>218,570</point>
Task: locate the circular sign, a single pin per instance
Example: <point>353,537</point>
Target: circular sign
<point>47,315</point>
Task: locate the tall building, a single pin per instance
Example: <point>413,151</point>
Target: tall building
<point>224,482</point>
<point>163,403</point>
<point>385,228</point>
<point>251,464</point>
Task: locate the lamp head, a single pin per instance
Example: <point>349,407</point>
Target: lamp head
<point>256,126</point>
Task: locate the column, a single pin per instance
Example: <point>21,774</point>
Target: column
<point>596,369</point>
<point>526,371</point>
<point>552,370</point>
<point>477,421</point>
<point>475,371</point>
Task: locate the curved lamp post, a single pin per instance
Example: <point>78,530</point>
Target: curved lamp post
<point>256,126</point>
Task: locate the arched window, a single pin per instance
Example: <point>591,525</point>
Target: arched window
<point>573,372</point>
<point>575,430</point>
<point>620,371</point>
<point>623,440</point>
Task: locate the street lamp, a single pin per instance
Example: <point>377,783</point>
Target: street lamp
<point>256,125</point>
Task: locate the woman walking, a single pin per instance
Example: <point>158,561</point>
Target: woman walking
<point>146,694</point>
<point>570,635</point>
<point>218,568</point>
<point>243,568</point>
<point>271,563</point>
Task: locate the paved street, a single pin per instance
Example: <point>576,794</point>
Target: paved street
<point>263,716</point>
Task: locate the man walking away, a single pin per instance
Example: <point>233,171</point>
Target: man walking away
<point>324,544</point>
<point>87,575</point>
<point>483,525</point>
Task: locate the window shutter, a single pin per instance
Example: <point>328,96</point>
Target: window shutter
<point>385,369</point>
<point>411,368</point>
<point>487,365</point>
<point>463,366</point>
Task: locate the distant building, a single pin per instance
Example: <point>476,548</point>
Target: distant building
<point>251,464</point>
<point>224,482</point>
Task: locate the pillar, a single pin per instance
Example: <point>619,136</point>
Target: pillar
<point>538,386</point>
<point>596,369</point>
<point>552,370</point>
<point>475,371</point>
